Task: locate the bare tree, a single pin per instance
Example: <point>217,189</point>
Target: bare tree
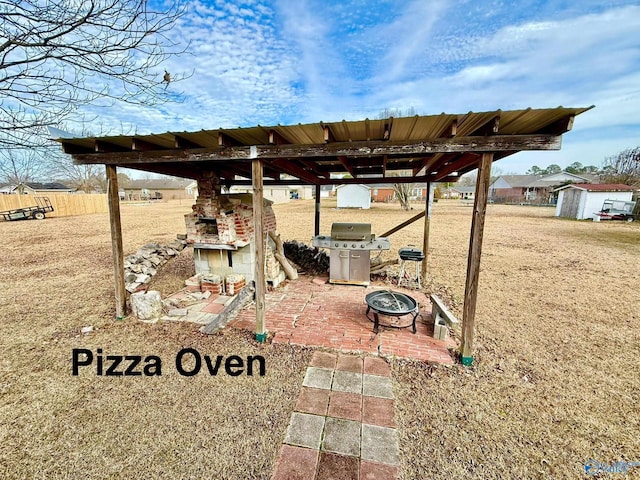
<point>58,55</point>
<point>623,167</point>
<point>19,166</point>
<point>403,194</point>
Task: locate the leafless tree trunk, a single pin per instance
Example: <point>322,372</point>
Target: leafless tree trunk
<point>403,194</point>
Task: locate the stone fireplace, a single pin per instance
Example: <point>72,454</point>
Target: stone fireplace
<point>220,228</point>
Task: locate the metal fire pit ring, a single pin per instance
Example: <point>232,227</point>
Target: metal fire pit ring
<point>393,304</point>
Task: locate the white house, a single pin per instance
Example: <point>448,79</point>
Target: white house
<point>277,194</point>
<point>354,196</point>
<point>582,200</point>
<point>528,188</point>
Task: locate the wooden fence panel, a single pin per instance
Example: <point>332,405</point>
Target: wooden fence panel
<point>64,204</point>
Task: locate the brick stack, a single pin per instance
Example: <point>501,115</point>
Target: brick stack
<point>211,283</point>
<point>192,284</point>
<point>234,283</point>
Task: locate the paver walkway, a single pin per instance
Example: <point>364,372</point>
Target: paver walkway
<point>342,427</point>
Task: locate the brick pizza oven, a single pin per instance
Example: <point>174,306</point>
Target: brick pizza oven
<point>221,231</point>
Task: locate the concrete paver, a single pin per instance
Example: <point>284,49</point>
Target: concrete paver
<point>346,405</point>
<point>313,400</point>
<point>376,366</point>
<point>305,430</point>
<point>337,467</point>
<point>380,444</point>
<point>350,382</point>
<point>343,425</point>
<point>318,377</point>
<point>349,363</point>
<point>295,463</point>
<point>342,436</point>
<point>323,359</point>
<point>377,386</point>
<point>377,471</point>
<point>378,411</point>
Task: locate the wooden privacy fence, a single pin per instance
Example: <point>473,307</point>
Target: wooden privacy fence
<point>64,204</point>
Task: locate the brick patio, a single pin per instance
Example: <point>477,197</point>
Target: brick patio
<point>311,312</point>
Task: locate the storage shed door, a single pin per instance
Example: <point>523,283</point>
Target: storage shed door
<point>570,203</point>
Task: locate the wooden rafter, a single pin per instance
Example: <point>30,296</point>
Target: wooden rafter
<point>295,170</point>
<point>347,166</point>
<point>140,145</point>
<point>184,144</point>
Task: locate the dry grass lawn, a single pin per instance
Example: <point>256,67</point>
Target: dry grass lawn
<point>555,381</point>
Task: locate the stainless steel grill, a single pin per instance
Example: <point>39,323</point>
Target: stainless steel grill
<point>350,245</point>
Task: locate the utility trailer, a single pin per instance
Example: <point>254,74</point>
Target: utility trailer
<point>36,212</point>
<point>617,210</point>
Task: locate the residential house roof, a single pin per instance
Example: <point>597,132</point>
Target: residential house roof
<point>600,187</point>
<point>38,186</point>
<point>542,181</point>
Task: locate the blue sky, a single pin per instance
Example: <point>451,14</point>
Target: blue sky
<point>289,61</point>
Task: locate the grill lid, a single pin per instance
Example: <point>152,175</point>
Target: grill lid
<point>351,231</point>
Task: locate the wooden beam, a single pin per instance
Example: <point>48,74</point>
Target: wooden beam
<point>378,180</point>
<point>453,128</point>
<point>415,218</point>
<point>113,199</point>
<point>328,134</point>
<point>316,223</point>
<point>414,148</point>
<point>345,125</point>
<point>473,259</point>
<point>258,228</point>
<point>455,166</point>
<point>347,166</point>
<point>295,170</point>
<point>387,129</point>
<point>313,167</point>
<point>428,208</point>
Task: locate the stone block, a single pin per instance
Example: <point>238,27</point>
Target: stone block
<point>147,306</point>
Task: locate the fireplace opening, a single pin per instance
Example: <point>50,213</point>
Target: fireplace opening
<point>207,226</point>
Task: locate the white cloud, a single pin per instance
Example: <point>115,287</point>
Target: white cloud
<point>304,61</point>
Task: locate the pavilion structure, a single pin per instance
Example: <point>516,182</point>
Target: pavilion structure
<point>425,149</point>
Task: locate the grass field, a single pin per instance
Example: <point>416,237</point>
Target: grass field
<point>555,382</point>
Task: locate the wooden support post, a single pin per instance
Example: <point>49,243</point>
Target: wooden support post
<point>113,200</point>
<point>258,228</point>
<point>473,260</point>
<point>316,227</point>
<point>425,236</point>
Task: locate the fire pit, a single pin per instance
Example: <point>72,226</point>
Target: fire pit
<point>393,304</point>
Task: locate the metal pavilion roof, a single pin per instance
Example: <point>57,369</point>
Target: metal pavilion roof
<point>419,148</point>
